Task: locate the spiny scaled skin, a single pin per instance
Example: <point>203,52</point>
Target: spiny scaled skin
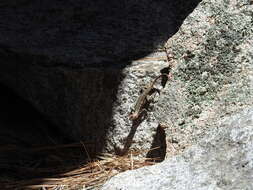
<point>142,100</point>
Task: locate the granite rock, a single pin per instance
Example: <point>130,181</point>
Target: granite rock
<point>221,160</point>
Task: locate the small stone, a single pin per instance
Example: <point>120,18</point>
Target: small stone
<point>201,90</point>
<point>181,121</point>
<point>205,75</point>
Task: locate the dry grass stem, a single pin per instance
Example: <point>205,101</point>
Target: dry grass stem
<point>92,174</point>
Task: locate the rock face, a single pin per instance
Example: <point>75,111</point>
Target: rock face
<point>221,160</point>
<point>72,59</point>
<point>213,68</point>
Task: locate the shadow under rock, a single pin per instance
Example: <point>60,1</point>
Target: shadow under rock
<point>159,146</point>
<point>32,148</point>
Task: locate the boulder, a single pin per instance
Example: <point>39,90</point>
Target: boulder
<point>221,160</point>
<point>213,68</point>
<point>207,106</point>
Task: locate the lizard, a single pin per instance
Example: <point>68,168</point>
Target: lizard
<point>143,99</point>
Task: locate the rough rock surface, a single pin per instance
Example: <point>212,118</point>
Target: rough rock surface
<point>69,59</point>
<point>212,78</point>
<point>213,67</point>
<point>213,71</point>
<point>221,160</point>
